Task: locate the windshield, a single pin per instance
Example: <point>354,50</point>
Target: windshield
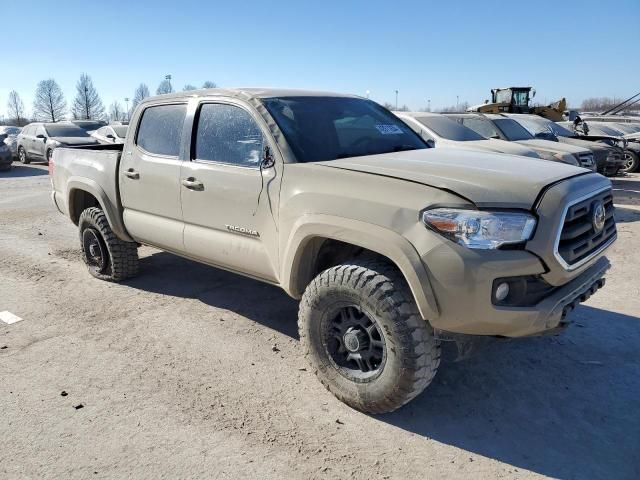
<point>449,129</point>
<point>121,131</point>
<point>542,125</point>
<point>503,96</point>
<point>603,130</point>
<point>512,130</point>
<point>65,131</point>
<point>328,128</point>
<point>627,127</point>
<point>90,126</point>
<point>10,130</point>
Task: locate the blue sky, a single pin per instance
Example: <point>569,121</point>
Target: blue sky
<point>426,50</point>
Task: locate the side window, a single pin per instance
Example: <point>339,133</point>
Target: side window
<point>160,130</point>
<point>102,131</point>
<point>228,134</point>
<point>40,131</point>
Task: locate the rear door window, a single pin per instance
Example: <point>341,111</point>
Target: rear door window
<point>160,130</point>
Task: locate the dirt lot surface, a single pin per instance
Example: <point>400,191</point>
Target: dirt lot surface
<point>191,372</point>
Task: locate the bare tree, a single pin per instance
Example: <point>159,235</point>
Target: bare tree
<point>116,112</point>
<point>209,84</point>
<point>140,94</point>
<point>461,107</point>
<point>49,104</point>
<point>188,87</point>
<point>87,104</point>
<point>15,108</point>
<point>164,87</point>
<point>601,104</point>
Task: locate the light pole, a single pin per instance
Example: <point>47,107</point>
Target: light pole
<point>428,105</point>
<point>396,99</point>
<point>457,102</point>
<point>168,78</point>
<point>126,100</point>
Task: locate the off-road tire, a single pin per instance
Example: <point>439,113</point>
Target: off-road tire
<point>631,162</point>
<point>412,352</point>
<point>23,157</point>
<point>122,261</point>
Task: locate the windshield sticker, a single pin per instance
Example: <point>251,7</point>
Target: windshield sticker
<point>389,129</point>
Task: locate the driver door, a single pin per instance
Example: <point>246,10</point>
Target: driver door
<point>228,200</point>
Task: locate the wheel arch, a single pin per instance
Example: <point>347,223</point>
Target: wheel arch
<point>303,258</point>
<point>85,193</point>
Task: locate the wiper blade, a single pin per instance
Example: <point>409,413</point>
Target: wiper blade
<point>403,148</point>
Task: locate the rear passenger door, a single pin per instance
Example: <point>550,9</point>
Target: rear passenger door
<point>228,201</point>
<point>149,177</point>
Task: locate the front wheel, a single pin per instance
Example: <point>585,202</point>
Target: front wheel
<point>22,156</point>
<point>630,162</point>
<point>362,333</point>
<point>106,256</point>
<point>48,156</point>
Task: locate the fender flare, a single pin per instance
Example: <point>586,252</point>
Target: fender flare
<point>362,234</point>
<point>110,210</point>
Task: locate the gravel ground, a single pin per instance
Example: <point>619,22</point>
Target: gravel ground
<point>188,371</point>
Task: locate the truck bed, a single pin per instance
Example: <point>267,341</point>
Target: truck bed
<point>92,168</point>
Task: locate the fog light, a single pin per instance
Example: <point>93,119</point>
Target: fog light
<point>502,291</point>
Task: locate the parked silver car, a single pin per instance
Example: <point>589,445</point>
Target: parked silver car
<point>504,128</point>
<point>609,159</point>
<point>442,132</point>
<point>111,134</point>
<point>37,141</point>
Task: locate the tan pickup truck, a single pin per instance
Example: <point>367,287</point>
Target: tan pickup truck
<point>392,247</point>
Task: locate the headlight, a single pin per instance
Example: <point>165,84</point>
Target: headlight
<point>480,229</point>
<point>568,158</point>
<point>546,155</point>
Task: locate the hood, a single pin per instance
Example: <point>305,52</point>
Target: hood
<point>512,148</point>
<point>551,146</point>
<point>486,179</point>
<point>584,143</point>
<point>75,140</point>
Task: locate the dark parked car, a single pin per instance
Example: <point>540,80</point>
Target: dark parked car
<point>11,138</point>
<point>609,158</point>
<point>37,141</point>
<point>5,154</point>
<point>606,129</point>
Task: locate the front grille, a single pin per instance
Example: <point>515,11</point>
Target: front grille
<point>579,240</point>
<point>586,160</point>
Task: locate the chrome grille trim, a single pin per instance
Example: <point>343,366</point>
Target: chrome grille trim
<point>556,251</point>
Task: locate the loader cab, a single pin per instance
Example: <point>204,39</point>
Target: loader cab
<point>513,99</point>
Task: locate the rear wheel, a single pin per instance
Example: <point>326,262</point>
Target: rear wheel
<point>361,331</point>
<point>106,256</point>
<point>22,156</point>
<point>630,162</point>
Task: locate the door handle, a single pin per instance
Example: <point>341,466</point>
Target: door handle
<point>192,184</point>
<point>131,173</point>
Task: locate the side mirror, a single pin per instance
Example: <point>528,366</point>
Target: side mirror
<point>431,143</point>
<point>111,137</point>
<point>40,136</point>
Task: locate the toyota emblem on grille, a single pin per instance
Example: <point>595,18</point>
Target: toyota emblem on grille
<point>599,217</point>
